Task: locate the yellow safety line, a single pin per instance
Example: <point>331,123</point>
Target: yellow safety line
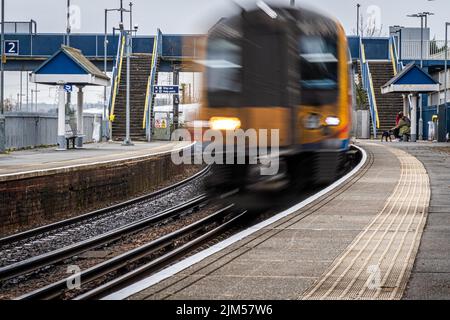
<point>117,79</point>
<point>144,120</point>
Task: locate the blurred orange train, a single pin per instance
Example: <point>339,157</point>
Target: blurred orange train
<point>287,69</point>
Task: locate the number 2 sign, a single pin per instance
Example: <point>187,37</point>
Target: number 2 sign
<point>12,47</point>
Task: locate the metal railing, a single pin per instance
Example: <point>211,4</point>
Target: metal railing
<point>117,71</point>
<point>368,86</point>
<point>157,51</point>
<point>431,50</point>
<point>22,27</point>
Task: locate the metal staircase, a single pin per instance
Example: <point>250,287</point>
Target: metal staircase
<point>144,69</point>
<point>374,74</point>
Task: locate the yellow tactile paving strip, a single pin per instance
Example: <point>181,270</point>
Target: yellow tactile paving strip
<point>377,264</point>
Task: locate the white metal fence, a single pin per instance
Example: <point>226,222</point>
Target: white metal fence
<point>24,130</point>
<point>431,50</point>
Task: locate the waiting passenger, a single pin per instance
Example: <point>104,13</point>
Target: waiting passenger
<point>404,127</point>
<point>395,129</point>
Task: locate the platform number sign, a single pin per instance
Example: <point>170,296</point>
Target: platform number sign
<point>12,47</point>
<point>68,88</point>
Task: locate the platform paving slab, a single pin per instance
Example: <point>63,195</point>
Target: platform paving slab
<point>430,277</point>
<point>285,259</point>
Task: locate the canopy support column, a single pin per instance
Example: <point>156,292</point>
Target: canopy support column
<point>62,145</point>
<point>415,101</point>
<point>80,124</point>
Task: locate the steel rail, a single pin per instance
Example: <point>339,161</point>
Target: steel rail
<point>52,257</point>
<point>56,289</point>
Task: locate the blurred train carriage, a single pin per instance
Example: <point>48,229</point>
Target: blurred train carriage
<point>286,69</point>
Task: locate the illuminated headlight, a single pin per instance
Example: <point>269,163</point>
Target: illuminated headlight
<point>332,121</point>
<point>222,123</point>
<point>312,121</point>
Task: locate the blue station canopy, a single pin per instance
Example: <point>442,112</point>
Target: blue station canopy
<point>411,79</point>
<point>69,66</point>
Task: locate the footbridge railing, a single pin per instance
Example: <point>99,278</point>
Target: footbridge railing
<point>151,82</point>
<point>368,86</point>
<point>116,73</point>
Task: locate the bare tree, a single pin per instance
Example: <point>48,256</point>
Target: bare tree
<point>369,29</point>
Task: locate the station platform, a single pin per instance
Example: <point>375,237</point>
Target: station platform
<point>41,161</point>
<point>382,232</point>
<point>43,185</point>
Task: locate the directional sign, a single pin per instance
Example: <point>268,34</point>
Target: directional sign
<point>68,88</point>
<point>166,89</point>
<point>12,47</point>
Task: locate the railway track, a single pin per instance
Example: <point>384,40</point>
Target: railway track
<point>55,256</point>
<point>113,274</point>
<point>171,246</point>
<point>36,242</point>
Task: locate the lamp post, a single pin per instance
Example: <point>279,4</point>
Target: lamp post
<point>442,133</point>
<point>105,67</point>
<point>421,16</point>
<point>128,35</point>
<point>358,6</point>
<point>105,56</point>
<point>2,80</point>
<point>68,28</point>
<point>2,75</point>
<point>426,14</point>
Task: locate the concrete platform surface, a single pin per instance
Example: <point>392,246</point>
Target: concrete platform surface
<point>361,244</point>
<point>430,278</point>
<point>34,162</point>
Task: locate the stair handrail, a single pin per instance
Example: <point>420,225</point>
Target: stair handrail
<point>368,86</point>
<point>117,71</point>
<point>394,54</point>
<point>157,51</point>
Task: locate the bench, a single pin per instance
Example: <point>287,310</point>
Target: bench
<point>71,139</point>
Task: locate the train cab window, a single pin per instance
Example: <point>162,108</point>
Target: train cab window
<point>264,74</point>
<point>318,70</point>
<point>223,72</point>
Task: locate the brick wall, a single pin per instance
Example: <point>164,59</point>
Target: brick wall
<point>34,200</point>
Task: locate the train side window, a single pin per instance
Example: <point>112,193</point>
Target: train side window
<point>319,70</point>
<point>223,73</point>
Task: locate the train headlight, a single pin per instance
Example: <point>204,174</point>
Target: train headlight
<point>333,121</point>
<point>224,123</point>
<point>312,121</point>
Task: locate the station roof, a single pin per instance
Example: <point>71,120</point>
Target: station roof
<point>411,79</point>
<point>69,66</point>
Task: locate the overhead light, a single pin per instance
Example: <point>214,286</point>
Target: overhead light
<point>268,10</point>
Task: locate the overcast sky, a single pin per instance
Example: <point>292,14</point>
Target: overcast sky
<point>195,16</point>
